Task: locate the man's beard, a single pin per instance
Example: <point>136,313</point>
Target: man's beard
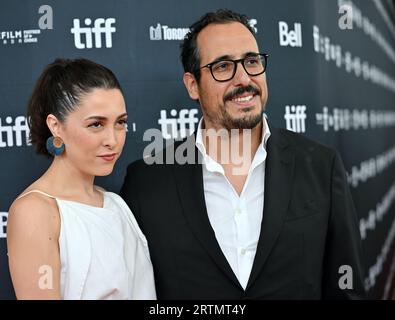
<point>246,121</point>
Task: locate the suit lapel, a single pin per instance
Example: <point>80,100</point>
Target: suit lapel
<point>279,170</point>
<point>189,181</point>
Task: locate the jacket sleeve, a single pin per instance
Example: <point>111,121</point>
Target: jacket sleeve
<point>343,274</point>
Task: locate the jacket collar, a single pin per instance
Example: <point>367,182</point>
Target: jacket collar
<point>278,181</point>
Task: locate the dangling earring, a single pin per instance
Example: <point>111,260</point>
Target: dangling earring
<point>55,146</point>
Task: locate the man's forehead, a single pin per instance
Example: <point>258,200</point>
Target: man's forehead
<point>232,39</point>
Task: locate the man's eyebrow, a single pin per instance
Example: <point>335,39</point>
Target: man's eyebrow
<point>231,57</point>
<point>250,53</point>
<point>224,57</point>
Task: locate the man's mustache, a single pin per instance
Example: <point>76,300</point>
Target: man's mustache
<point>239,91</point>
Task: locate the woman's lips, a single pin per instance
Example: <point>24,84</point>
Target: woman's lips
<point>108,157</point>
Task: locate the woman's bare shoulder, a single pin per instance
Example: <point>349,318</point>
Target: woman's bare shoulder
<point>34,210</point>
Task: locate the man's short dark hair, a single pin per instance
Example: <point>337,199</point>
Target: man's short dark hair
<point>189,51</point>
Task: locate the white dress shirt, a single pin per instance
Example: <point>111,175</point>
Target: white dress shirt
<point>236,220</point>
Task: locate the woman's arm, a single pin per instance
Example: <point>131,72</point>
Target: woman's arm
<point>33,251</point>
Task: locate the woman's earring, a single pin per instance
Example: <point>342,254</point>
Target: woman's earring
<point>55,146</point>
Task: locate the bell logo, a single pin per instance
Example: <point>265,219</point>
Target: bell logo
<point>100,26</point>
<point>3,224</point>
<point>288,37</point>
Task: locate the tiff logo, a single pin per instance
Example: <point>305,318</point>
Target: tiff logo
<point>181,125</point>
<point>7,132</point>
<point>291,37</point>
<point>3,224</point>
<point>101,27</point>
<point>295,118</point>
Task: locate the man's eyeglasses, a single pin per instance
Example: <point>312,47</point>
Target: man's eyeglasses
<point>225,70</point>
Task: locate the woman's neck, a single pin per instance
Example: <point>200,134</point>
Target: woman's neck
<point>68,181</point>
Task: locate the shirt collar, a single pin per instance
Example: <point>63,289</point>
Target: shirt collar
<point>212,165</point>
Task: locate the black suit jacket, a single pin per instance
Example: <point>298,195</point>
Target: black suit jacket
<point>308,231</point>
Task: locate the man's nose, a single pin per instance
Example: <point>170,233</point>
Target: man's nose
<point>241,77</point>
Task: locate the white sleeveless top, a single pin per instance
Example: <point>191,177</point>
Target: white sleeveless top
<point>103,253</point>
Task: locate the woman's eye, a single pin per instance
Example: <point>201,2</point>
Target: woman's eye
<point>122,122</point>
<point>95,125</point>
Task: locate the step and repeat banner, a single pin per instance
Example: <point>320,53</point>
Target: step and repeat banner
<point>331,77</point>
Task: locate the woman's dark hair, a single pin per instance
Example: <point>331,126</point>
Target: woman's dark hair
<point>59,90</point>
<point>189,51</point>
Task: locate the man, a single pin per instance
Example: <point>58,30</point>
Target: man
<point>281,225</point>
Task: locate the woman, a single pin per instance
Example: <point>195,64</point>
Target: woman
<point>67,238</point>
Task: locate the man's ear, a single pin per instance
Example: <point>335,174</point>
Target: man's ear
<point>54,125</point>
<point>191,85</point>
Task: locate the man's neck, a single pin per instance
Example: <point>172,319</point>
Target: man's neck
<point>232,149</point>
